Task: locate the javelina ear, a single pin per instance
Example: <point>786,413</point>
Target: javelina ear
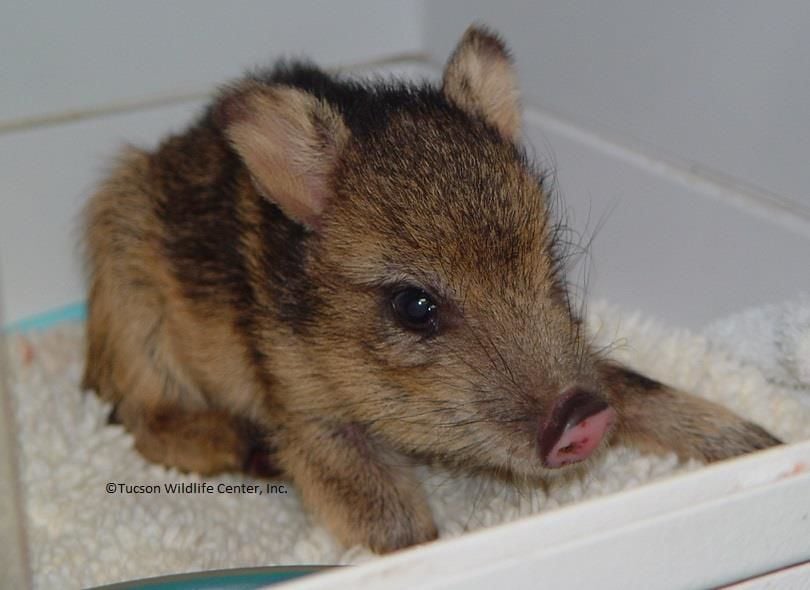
<point>480,78</point>
<point>290,142</point>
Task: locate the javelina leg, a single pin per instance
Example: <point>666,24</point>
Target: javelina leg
<point>364,494</point>
<point>205,442</point>
<point>657,418</point>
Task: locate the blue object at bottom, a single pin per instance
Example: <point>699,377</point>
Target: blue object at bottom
<point>236,579</point>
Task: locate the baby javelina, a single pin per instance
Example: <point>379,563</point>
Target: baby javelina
<point>339,280</point>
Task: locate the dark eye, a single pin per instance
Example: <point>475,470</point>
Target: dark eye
<point>415,309</point>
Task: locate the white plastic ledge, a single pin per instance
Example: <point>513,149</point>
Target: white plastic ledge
<point>726,523</point>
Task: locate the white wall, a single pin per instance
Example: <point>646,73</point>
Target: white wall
<point>723,84</point>
<point>75,55</point>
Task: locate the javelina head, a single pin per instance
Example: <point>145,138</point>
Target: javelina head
<point>436,316</point>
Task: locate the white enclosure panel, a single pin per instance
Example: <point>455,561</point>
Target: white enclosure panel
<point>668,244</point>
<point>792,578</point>
<point>14,572</point>
<point>719,525</point>
<point>61,56</point>
<point>46,175</point>
<point>724,85</point>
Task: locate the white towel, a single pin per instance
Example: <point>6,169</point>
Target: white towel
<point>775,339</point>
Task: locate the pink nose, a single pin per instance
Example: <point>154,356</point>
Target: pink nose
<point>579,422</point>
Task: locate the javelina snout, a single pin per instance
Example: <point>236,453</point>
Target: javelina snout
<point>576,426</point>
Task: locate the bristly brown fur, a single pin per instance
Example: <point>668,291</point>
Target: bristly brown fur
<point>241,284</point>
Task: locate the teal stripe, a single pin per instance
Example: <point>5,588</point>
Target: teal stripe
<point>234,579</point>
<point>215,582</point>
<point>42,321</point>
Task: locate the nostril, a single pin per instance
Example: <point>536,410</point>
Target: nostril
<point>576,426</point>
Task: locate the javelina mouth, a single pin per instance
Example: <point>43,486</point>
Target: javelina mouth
<point>577,425</point>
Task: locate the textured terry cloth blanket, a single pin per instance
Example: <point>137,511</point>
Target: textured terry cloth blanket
<point>81,535</point>
<point>774,339</point>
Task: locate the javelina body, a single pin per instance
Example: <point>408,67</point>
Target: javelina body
<point>340,279</point>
